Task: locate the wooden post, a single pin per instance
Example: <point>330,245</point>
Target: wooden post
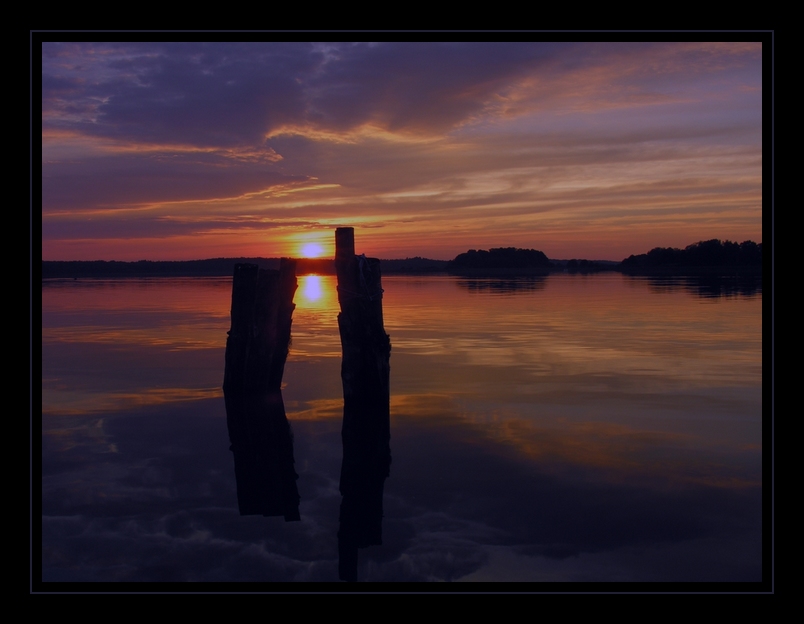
<point>256,351</point>
<point>259,338</point>
<point>344,244</point>
<point>365,374</point>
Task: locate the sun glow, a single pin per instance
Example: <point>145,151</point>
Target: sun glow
<point>311,250</point>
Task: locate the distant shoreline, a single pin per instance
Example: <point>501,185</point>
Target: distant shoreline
<point>216,267</point>
<point>224,267</point>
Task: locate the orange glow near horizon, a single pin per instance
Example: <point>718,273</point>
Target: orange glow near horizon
<point>310,244</point>
<point>404,241</point>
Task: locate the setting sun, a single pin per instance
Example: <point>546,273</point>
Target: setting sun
<point>311,250</point>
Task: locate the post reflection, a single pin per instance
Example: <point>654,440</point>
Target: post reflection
<point>256,350</point>
<point>262,444</point>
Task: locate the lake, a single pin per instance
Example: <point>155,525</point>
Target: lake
<point>567,428</point>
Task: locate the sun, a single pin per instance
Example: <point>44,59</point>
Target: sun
<point>311,250</point>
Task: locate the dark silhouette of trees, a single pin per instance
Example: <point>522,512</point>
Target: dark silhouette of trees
<point>711,253</point>
<point>500,258</point>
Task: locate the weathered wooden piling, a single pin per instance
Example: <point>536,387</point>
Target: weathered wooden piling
<point>256,351</point>
<point>365,373</point>
<point>259,338</point>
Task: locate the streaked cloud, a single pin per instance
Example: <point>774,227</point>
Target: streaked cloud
<point>439,147</point>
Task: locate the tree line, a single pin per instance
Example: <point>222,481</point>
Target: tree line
<point>711,253</point>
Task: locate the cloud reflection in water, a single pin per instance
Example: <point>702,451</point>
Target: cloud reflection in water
<point>596,430</point>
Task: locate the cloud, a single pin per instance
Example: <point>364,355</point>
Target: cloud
<point>523,136</point>
<point>225,95</point>
<point>219,95</point>
<point>130,179</point>
<point>235,94</point>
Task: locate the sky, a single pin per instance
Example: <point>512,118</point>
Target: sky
<point>183,151</point>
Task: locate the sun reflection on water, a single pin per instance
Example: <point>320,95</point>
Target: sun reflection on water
<point>311,287</point>
<point>315,291</point>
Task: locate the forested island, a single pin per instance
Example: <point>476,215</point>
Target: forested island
<point>703,256</point>
<point>500,258</point>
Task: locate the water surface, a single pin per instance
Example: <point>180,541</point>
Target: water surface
<point>566,428</point>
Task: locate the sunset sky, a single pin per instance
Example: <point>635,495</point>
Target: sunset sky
<point>181,151</point>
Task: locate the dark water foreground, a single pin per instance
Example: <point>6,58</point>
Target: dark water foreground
<point>576,429</point>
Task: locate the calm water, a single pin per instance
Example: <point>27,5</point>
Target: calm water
<point>573,428</point>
